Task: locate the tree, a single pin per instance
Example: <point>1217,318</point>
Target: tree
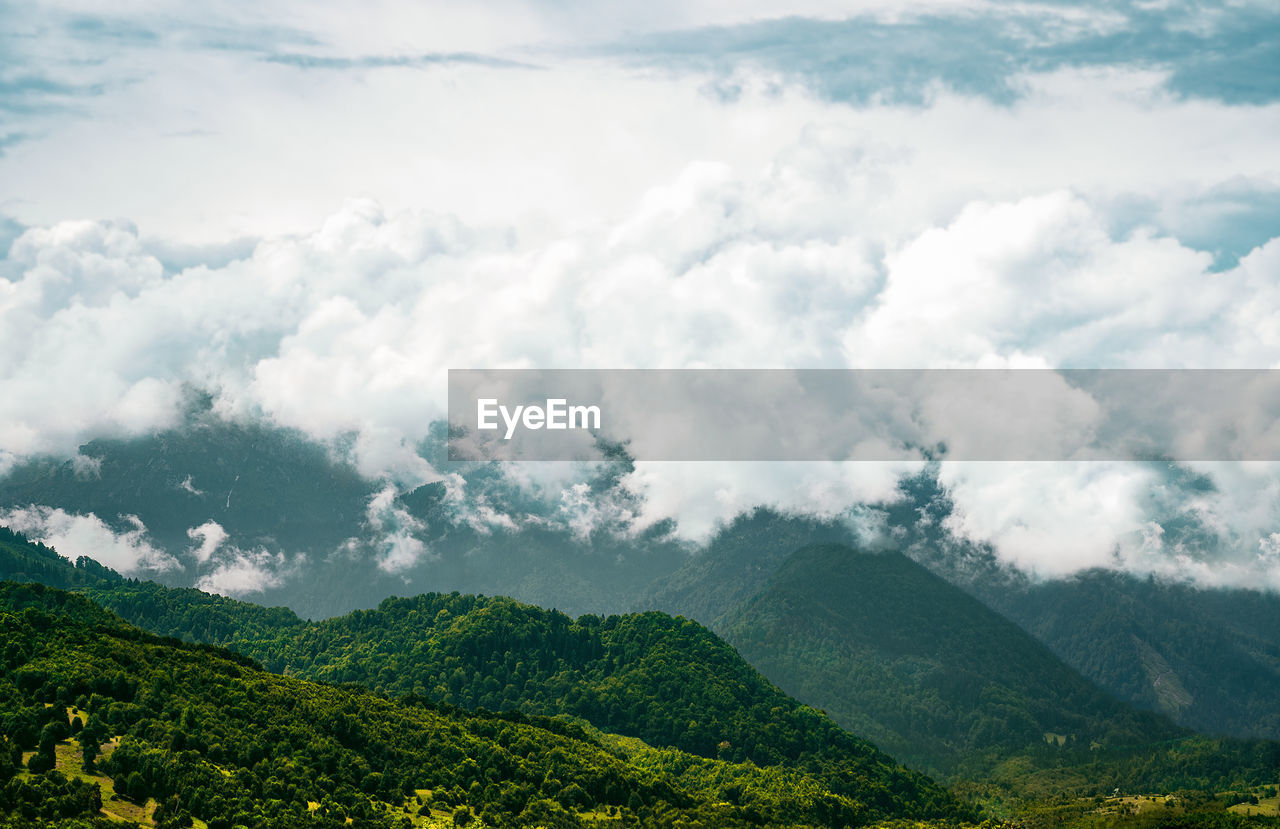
<point>43,760</point>
<point>89,749</point>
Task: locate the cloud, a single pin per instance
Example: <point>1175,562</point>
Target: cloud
<point>85,467</point>
<point>418,61</point>
<point>1048,519</point>
<point>347,331</point>
<point>210,536</point>
<point>317,248</point>
<point>703,496</point>
<point>394,543</point>
<point>232,571</point>
<point>1211,524</point>
<point>11,139</point>
<point>910,56</point>
<point>1042,276</point>
<point>245,572</point>
<point>127,551</point>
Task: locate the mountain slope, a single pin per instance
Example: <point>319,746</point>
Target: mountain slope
<point>1208,658</point>
<point>269,484</point>
<point>210,735</point>
<point>737,562</point>
<point>275,490</point>
<point>922,668</point>
<point>664,680</point>
<point>23,560</point>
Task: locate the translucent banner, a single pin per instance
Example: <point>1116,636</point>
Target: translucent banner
<point>864,415</point>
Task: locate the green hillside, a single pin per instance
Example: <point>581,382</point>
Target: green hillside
<point>23,560</point>
<point>1208,658</point>
<point>664,680</point>
<point>890,650</point>
<point>177,734</point>
<point>737,562</point>
<point>935,677</point>
<point>920,667</point>
<point>667,681</point>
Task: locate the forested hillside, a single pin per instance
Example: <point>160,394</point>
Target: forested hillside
<point>890,650</point>
<point>737,562</point>
<point>925,670</point>
<point>1209,658</point>
<point>102,714</point>
<point>23,560</point>
<point>922,668</point>
<point>667,681</point>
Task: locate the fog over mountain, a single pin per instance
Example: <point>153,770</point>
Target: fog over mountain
<point>336,214</point>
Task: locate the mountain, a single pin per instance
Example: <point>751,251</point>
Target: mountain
<point>179,733</point>
<point>1208,658</point>
<point>332,539</point>
<point>922,668</point>
<point>667,681</point>
<point>272,485</point>
<point>737,561</point>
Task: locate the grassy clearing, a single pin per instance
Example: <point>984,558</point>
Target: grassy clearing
<point>1266,807</point>
<point>1136,804</point>
<point>70,760</point>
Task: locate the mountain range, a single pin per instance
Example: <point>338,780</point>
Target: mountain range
<point>887,649</point>
<point>1008,688</point>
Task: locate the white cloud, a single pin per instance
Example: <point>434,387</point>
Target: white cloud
<point>590,215</point>
<point>394,543</point>
<point>704,495</point>
<point>128,551</point>
<point>210,536</point>
<point>1041,276</point>
<point>85,467</point>
<point>245,572</point>
<point>1048,519</point>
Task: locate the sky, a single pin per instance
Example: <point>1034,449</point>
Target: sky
<point>314,210</point>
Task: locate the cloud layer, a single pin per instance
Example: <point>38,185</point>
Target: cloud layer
<point>320,224</point>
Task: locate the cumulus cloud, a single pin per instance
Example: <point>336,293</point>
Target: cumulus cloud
<point>702,496</point>
<point>127,551</point>
<point>395,545</point>
<point>1208,523</point>
<point>738,217</point>
<point>1049,519</point>
<point>232,571</point>
<point>210,536</point>
<point>245,572</point>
